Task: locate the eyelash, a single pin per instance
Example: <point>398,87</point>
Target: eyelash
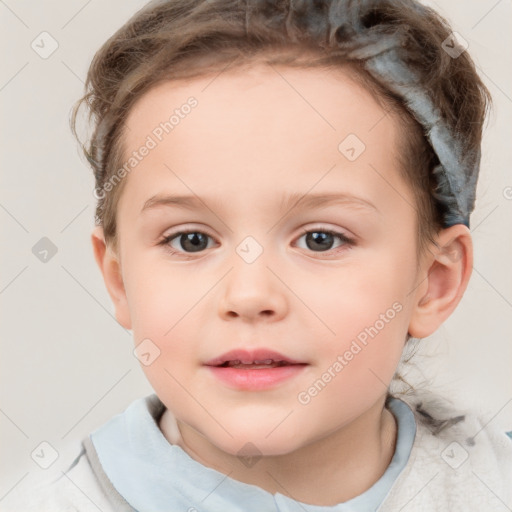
<point>347,242</point>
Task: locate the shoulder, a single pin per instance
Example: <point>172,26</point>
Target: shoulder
<point>465,466</point>
<point>69,488</point>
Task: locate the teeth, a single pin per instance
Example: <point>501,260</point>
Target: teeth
<point>258,362</point>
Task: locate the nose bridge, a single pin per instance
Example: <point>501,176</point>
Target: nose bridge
<point>250,263</point>
<point>250,250</point>
<point>251,288</point>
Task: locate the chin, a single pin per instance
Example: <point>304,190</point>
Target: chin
<point>257,445</point>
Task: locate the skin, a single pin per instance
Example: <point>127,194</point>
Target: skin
<point>251,140</point>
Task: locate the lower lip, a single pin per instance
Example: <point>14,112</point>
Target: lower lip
<point>257,379</point>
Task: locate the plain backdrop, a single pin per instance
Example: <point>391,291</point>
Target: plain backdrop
<point>66,365</point>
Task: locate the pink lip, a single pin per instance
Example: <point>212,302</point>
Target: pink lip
<point>258,378</point>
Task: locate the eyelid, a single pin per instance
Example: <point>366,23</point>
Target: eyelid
<point>343,233</point>
<point>166,238</point>
<point>193,229</point>
<point>323,227</point>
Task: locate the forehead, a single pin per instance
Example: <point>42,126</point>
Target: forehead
<point>313,94</point>
<point>258,131</point>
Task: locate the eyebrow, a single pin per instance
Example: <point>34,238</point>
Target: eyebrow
<point>288,202</point>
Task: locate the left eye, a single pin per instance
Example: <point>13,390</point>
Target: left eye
<point>322,240</point>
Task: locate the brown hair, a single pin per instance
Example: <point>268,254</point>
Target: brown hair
<point>178,39</point>
<point>187,38</point>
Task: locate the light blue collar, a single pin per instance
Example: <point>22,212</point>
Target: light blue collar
<point>153,475</point>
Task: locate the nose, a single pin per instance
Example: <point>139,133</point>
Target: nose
<point>252,292</point>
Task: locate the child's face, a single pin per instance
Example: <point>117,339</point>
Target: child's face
<point>252,140</point>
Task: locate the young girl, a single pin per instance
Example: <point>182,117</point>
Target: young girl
<point>284,192</point>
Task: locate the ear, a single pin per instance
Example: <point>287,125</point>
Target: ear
<point>111,269</point>
<point>445,273</point>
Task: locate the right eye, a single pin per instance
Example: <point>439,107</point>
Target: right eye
<point>191,241</point>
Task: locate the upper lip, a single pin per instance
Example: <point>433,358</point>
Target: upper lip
<point>250,356</point>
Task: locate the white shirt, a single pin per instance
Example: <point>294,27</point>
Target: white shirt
<point>128,465</point>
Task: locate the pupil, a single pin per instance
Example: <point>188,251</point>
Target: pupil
<point>193,241</point>
<point>314,240</point>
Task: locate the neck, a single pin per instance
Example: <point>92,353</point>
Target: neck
<point>342,465</point>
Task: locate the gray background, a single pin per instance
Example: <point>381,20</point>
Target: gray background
<point>67,366</point>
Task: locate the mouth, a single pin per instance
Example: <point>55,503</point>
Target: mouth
<point>258,370</point>
<point>252,360</point>
<point>254,365</point>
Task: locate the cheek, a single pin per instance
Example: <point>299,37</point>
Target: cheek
<point>158,297</point>
<point>163,309</point>
<point>365,316</point>
<point>369,293</point>
<point>356,367</point>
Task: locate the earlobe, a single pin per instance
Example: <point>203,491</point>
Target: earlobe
<point>110,268</point>
<point>445,276</point>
